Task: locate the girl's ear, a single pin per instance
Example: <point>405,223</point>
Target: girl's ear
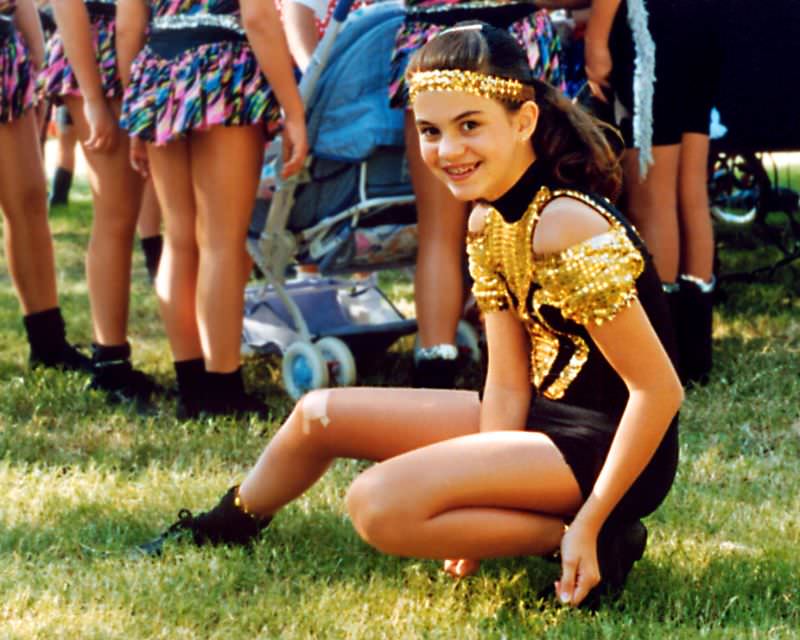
<point>527,118</point>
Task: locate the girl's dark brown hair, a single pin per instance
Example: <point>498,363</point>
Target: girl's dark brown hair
<point>568,141</point>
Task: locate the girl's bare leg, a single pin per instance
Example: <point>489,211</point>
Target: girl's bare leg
<point>486,495</point>
<point>116,193</point>
<point>226,166</point>
<point>65,149</point>
<point>442,226</point>
<point>149,228</point>
<point>176,283</point>
<point>652,205</point>
<point>697,237</point>
<point>444,491</point>
<point>23,197</point>
<point>361,423</point>
<point>149,222</point>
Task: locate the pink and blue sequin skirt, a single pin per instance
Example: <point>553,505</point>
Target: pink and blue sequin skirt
<point>17,83</point>
<point>57,79</point>
<point>195,78</point>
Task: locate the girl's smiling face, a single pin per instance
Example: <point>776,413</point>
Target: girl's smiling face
<point>475,145</point>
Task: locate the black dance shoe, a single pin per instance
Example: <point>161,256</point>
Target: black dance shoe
<point>435,367</point>
<point>619,547</point>
<point>227,523</point>
<point>694,329</point>
<point>225,396</point>
<point>122,383</point>
<point>67,358</point>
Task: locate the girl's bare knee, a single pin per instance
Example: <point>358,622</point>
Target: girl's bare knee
<point>32,205</point>
<point>376,516</point>
<point>312,411</point>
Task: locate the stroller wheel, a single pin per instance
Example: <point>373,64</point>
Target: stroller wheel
<point>468,340</point>
<point>339,360</point>
<point>304,369</point>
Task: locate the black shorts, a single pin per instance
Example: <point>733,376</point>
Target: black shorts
<point>688,60</point>
<point>584,436</point>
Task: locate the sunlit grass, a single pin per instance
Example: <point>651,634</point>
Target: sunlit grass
<point>83,482</point>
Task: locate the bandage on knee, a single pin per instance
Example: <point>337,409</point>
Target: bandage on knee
<point>315,408</point>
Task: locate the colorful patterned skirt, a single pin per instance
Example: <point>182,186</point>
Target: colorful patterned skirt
<point>17,86</point>
<point>57,78</point>
<point>174,93</point>
<point>533,30</point>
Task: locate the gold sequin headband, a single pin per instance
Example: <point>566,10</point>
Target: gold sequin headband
<point>474,82</point>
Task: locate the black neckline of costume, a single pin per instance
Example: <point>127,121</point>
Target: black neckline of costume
<point>513,204</point>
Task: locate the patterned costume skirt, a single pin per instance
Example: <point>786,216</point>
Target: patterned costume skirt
<point>185,83</point>
<point>57,78</point>
<point>17,86</point>
<point>530,27</point>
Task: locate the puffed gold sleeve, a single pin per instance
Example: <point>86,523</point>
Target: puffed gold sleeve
<point>489,291</point>
<point>591,282</point>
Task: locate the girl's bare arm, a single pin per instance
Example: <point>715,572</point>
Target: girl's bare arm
<point>132,18</point>
<point>73,23</point>
<point>268,40</point>
<point>27,20</point>
<point>632,347</point>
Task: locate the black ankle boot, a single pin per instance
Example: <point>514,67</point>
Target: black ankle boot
<point>192,387</point>
<point>152,248</point>
<point>48,341</point>
<point>113,374</point>
<point>619,546</point>
<point>227,523</point>
<point>694,329</point>
<point>62,183</point>
<point>226,396</point>
<point>435,367</point>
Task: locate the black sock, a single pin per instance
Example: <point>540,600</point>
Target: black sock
<point>62,183</point>
<point>227,387</point>
<point>46,333</point>
<point>192,387</point>
<point>190,374</point>
<point>107,355</point>
<point>152,247</point>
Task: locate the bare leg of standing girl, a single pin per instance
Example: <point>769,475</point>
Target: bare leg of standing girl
<point>23,193</point>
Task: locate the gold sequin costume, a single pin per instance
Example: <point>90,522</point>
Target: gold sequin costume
<point>578,397</point>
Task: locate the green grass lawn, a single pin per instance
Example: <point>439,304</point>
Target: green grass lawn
<point>81,482</point>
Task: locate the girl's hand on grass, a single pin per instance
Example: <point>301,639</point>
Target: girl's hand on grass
<point>138,155</point>
<point>103,129</point>
<point>461,567</point>
<point>295,144</point>
<point>580,570</point>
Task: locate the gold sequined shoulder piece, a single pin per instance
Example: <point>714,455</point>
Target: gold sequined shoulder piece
<point>487,288</point>
<point>592,281</point>
<point>501,257</point>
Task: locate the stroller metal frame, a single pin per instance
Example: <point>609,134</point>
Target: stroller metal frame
<point>329,359</point>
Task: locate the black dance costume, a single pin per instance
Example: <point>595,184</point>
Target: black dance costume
<point>687,67</point>
<point>578,397</point>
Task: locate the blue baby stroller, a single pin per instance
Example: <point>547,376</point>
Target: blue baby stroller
<point>350,210</point>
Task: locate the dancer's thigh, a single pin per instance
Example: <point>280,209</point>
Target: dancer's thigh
<point>379,423</point>
<point>22,180</point>
<point>170,166</point>
<point>502,470</point>
<point>226,168</point>
<point>116,187</point>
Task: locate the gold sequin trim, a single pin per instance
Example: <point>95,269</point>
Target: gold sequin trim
<point>590,282</point>
<point>474,82</point>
